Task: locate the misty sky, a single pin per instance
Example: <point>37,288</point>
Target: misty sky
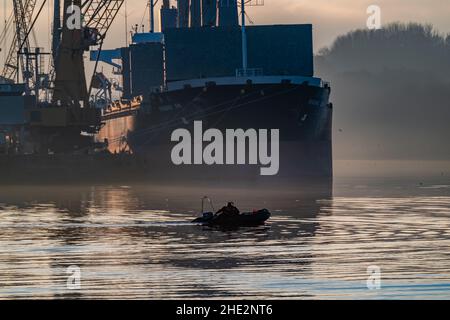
<point>330,18</point>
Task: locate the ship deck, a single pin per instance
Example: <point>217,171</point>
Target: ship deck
<point>231,81</point>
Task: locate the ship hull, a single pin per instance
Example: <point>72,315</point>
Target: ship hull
<point>140,145</point>
<point>301,113</point>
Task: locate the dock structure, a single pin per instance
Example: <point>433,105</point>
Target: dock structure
<point>120,109</point>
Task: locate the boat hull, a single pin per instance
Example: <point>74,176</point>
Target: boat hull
<point>239,220</point>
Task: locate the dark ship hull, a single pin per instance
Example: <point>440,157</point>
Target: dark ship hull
<point>300,111</point>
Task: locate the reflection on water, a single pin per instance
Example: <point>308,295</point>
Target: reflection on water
<point>136,242</point>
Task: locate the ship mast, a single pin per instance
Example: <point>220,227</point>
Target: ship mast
<point>244,40</point>
<point>151,4</point>
<point>244,3</point>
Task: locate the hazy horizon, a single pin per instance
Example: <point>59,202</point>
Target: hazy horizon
<point>398,138</point>
<point>330,18</point>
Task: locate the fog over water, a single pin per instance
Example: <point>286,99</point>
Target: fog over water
<point>136,242</point>
<point>390,92</point>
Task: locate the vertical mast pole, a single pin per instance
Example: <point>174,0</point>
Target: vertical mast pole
<point>5,23</point>
<point>152,16</point>
<point>37,82</point>
<point>244,39</point>
<point>126,25</point>
<point>56,29</point>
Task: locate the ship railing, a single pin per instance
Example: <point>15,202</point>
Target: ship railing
<point>251,72</point>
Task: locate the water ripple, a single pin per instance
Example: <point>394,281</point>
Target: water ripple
<point>128,248</point>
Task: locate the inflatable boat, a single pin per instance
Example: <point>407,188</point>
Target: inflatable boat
<point>244,219</point>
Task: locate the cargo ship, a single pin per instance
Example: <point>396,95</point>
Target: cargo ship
<point>206,65</point>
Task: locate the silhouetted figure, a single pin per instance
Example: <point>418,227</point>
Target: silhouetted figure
<point>228,211</point>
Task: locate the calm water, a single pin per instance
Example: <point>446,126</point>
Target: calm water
<point>136,241</point>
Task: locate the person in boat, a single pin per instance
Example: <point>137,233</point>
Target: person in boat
<point>229,210</point>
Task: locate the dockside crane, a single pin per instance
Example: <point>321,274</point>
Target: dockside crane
<point>16,63</point>
<point>59,122</point>
<point>100,14</point>
<point>70,87</point>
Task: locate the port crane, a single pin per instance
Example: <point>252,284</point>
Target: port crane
<point>16,62</point>
<point>70,87</point>
<point>98,15</point>
<point>57,121</point>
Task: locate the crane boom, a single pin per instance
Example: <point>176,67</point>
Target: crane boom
<point>23,14</point>
<point>70,80</point>
<point>100,14</point>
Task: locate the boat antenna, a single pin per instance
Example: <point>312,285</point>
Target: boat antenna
<point>206,198</point>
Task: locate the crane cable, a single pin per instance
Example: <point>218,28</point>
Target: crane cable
<point>8,24</point>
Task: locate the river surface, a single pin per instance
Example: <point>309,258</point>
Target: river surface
<point>385,234</point>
